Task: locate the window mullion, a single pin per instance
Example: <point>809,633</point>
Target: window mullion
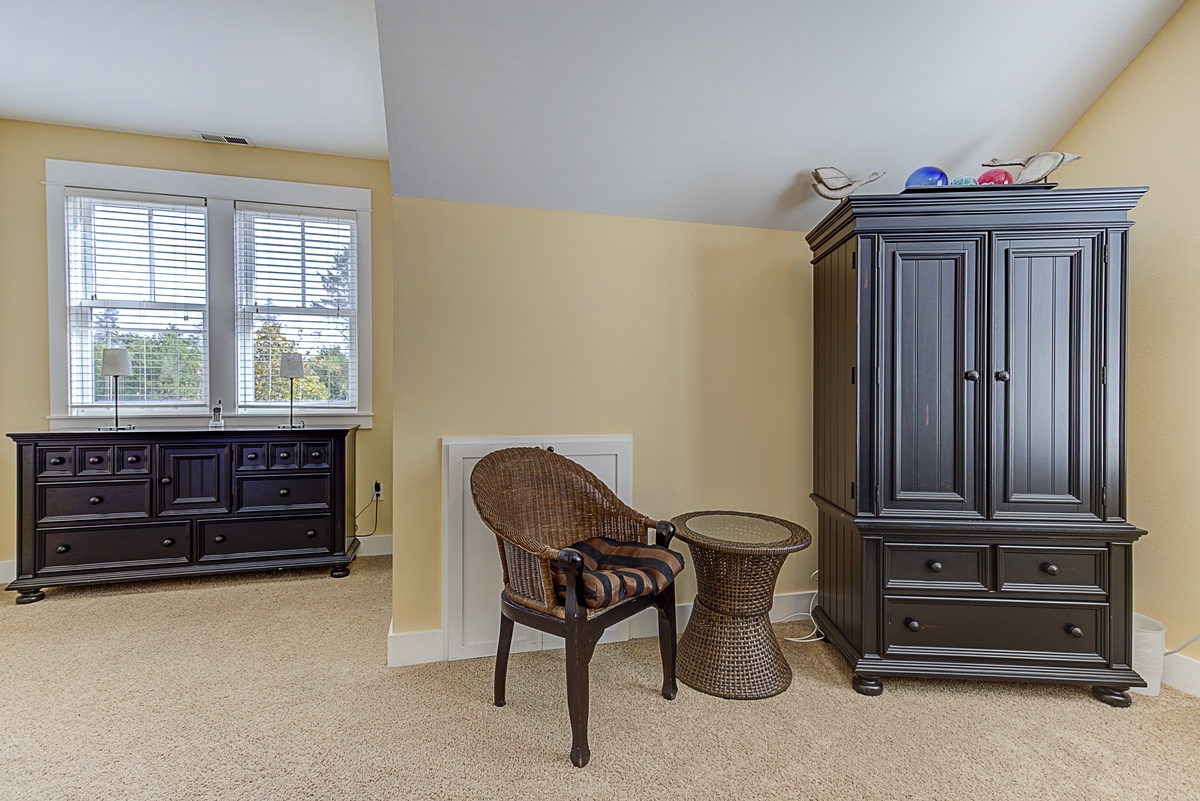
<point>222,336</point>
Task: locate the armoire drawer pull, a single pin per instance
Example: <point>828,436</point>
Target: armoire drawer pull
<point>251,456</point>
<point>94,460</point>
<point>57,460</point>
<point>219,538</point>
<point>63,548</point>
<point>936,567</point>
<point>1051,569</point>
<point>284,456</point>
<point>312,532</point>
<point>315,455</point>
<point>168,542</point>
<point>95,499</point>
<point>285,492</point>
<point>913,624</point>
<point>1075,631</point>
<point>132,459</point>
<point>165,480</point>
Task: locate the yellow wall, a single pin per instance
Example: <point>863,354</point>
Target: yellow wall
<point>694,339</point>
<point>24,355</point>
<point>1142,131</point>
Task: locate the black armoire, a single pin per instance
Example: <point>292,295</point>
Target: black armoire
<point>969,405</point>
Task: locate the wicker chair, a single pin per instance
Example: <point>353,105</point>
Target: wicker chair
<point>537,503</point>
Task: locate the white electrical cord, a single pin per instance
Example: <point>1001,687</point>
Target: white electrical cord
<point>1180,648</point>
<point>816,635</point>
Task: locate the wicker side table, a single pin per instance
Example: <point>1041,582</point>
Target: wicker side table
<point>728,648</point>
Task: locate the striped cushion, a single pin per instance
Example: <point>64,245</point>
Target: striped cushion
<point>614,570</point>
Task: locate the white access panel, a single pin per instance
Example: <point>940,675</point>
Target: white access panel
<point>472,578</point>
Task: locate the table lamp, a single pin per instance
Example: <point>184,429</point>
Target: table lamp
<point>116,362</point>
<point>291,367</point>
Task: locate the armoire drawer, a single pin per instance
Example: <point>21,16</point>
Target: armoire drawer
<point>949,628</point>
<point>113,547</point>
<point>1047,569</point>
<point>271,492</point>
<point>230,539</point>
<point>93,499</point>
<point>948,567</point>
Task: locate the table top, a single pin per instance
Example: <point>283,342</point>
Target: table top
<point>741,532</point>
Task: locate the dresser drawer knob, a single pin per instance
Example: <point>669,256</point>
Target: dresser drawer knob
<point>285,492</point>
<point>935,566</point>
<point>1051,570</point>
<point>315,455</point>
<point>95,499</point>
<point>219,538</point>
<point>165,480</point>
<point>133,459</point>
<point>251,456</point>
<point>284,456</point>
<point>57,460</point>
<point>1075,631</point>
<point>94,460</point>
<point>168,542</point>
<point>312,532</point>
<point>63,548</point>
<point>913,625</point>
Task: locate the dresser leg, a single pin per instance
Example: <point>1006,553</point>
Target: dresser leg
<point>867,685</point>
<point>1113,696</point>
<point>341,571</point>
<point>30,596</point>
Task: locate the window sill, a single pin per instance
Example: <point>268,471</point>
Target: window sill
<point>232,421</point>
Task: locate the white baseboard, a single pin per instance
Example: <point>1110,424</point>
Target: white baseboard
<point>1182,673</point>
<point>375,545</point>
<point>8,570</point>
<point>417,647</point>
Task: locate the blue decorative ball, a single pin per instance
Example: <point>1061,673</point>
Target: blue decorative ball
<point>927,176</point>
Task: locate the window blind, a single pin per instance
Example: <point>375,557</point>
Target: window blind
<point>137,279</point>
<point>297,292</point>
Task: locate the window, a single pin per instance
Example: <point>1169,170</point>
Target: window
<point>207,280</point>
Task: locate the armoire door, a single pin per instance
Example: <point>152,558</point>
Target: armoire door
<point>1047,449</point>
<point>932,357</point>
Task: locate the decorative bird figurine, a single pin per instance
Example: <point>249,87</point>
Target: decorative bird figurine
<point>1036,167</point>
<point>833,184</point>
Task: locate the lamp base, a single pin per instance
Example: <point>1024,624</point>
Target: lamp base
<point>114,428</point>
<point>291,425</point>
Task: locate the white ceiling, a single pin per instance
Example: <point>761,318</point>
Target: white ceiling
<point>700,110</point>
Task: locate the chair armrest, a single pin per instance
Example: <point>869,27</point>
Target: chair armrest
<point>664,532</point>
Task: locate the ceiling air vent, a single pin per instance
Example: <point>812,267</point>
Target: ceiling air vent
<point>225,139</point>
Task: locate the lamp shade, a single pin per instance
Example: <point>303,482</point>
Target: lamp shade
<point>115,361</point>
<point>291,365</point>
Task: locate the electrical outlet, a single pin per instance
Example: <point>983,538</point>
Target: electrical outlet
<point>377,492</point>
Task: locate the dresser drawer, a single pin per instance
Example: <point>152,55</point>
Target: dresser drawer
<point>948,567</point>
<point>238,539</point>
<point>94,460</point>
<point>1040,569</point>
<point>112,547</point>
<point>262,493</point>
<point>941,628</point>
<point>131,459</point>
<point>56,462</point>
<point>93,499</point>
<point>284,455</point>
<point>315,455</point>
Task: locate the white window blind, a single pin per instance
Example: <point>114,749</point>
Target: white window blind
<point>297,292</point>
<point>137,279</point>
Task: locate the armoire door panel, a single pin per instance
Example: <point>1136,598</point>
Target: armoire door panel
<point>931,355</point>
<point>1046,455</point>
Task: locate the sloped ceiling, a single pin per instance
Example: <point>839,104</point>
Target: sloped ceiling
<point>700,110</point>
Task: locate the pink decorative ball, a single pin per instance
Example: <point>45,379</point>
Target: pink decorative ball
<point>997,176</point>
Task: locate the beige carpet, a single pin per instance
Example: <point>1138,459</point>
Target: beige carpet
<point>275,686</point>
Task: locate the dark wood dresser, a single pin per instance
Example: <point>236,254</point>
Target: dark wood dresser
<point>969,428</point>
<point>104,506</point>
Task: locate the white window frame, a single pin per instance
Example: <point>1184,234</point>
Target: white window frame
<point>221,192</point>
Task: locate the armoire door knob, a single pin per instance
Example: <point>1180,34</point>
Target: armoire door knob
<point>972,375</point>
<point>1002,375</point>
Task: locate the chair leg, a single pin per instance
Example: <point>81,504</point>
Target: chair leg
<point>579,653</point>
<point>502,648</point>
<point>666,640</point>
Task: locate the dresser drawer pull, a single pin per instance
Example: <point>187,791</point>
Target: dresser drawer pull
<point>284,456</point>
<point>219,538</point>
<point>936,567</point>
<point>1075,631</point>
<point>133,459</point>
<point>285,492</point>
<point>63,548</point>
<point>168,542</point>
<point>1051,570</point>
<point>165,480</point>
<point>95,499</point>
<point>94,460</point>
<point>57,460</point>
<point>315,455</point>
<point>251,457</point>
<point>912,624</point>
<point>312,532</point>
